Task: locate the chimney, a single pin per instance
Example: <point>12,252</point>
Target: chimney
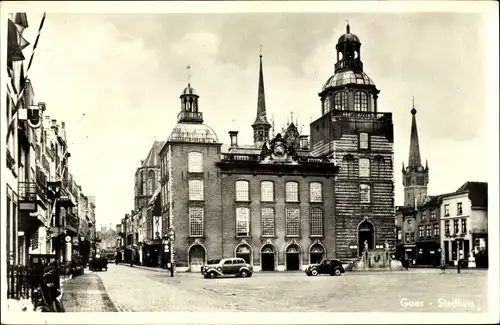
<point>63,125</point>
<point>303,142</point>
<point>233,135</point>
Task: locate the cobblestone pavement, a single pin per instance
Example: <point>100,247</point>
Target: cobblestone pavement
<point>86,293</point>
<point>139,289</point>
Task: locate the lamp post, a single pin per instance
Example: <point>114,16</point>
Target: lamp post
<point>171,237</point>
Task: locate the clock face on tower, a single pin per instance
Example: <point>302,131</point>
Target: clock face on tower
<point>420,168</point>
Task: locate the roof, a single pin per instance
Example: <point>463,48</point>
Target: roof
<point>193,133</point>
<point>434,200</point>
<point>189,91</point>
<point>478,193</point>
<point>348,77</point>
<point>153,158</point>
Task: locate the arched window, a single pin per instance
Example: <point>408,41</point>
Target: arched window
<point>242,191</point>
<point>315,192</point>
<point>326,104</point>
<point>364,167</point>
<point>144,182</point>
<point>152,182</point>
<point>292,192</point>
<point>267,191</point>
<point>348,166</point>
<point>195,162</point>
<point>360,101</point>
<point>340,101</point>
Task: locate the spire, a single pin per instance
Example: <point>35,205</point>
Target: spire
<point>261,126</point>
<point>414,157</point>
<point>261,117</point>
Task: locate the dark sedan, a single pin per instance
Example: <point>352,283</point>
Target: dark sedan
<point>331,267</point>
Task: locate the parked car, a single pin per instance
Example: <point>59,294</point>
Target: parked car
<point>326,266</point>
<point>98,263</point>
<point>227,266</point>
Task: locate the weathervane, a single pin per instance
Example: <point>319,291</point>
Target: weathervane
<point>260,50</point>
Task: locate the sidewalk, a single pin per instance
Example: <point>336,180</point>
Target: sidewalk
<point>86,293</point>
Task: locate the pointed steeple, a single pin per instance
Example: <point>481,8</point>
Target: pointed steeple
<point>414,157</point>
<point>261,126</point>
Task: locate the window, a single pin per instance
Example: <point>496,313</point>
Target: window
<point>420,180</point>
<point>34,240</point>
<point>292,222</point>
<point>360,101</point>
<point>316,192</point>
<point>326,105</point>
<point>316,219</point>
<point>364,192</point>
<point>412,236</point>
<point>378,166</point>
<point>242,191</point>
<point>455,226</point>
<point>459,208</point>
<point>423,215</point>
<point>428,231</point>
<point>446,209</point>
<point>292,192</point>
<point>464,226</point>
<point>195,162</point>
<point>348,162</point>
<point>267,191</point>
<point>196,190</point>
<point>447,227</point>
<point>195,221</point>
<point>436,230</point>
<point>151,182</point>
<point>363,140</point>
<point>267,222</point>
<point>399,234</point>
<point>340,101</point>
<point>242,222</point>
<point>364,167</point>
<point>420,231</point>
<point>407,237</point>
<point>433,214</point>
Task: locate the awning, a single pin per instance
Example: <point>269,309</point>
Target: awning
<point>155,195</point>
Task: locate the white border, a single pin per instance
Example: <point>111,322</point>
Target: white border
<point>490,31</point>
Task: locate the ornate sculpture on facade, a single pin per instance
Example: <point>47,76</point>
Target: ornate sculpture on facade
<point>282,148</point>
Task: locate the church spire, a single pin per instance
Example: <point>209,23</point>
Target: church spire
<point>414,157</point>
<point>261,126</point>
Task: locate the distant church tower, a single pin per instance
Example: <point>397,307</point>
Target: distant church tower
<point>261,126</point>
<point>415,176</point>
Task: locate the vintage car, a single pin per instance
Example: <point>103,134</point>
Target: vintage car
<point>326,266</point>
<point>227,266</point>
<point>98,262</point>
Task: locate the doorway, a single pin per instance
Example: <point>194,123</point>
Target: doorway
<point>365,234</point>
<point>196,258</point>
<point>292,258</point>
<point>268,258</point>
<point>243,251</point>
<point>316,254</point>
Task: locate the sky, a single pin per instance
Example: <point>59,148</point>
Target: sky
<point>115,79</point>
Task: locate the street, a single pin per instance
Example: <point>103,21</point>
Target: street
<point>152,290</point>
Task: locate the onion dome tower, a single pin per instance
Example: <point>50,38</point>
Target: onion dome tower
<point>350,88</point>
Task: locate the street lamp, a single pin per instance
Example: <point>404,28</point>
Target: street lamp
<point>171,237</point>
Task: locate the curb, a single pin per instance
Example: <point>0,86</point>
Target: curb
<point>118,309</point>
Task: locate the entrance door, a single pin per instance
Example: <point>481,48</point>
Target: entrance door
<point>292,258</point>
<point>268,258</point>
<point>316,254</point>
<point>243,251</point>
<point>196,258</point>
<point>365,234</point>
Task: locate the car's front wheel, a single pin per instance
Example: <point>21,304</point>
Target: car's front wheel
<point>243,273</point>
<point>337,272</point>
<point>314,272</point>
<point>212,275</point>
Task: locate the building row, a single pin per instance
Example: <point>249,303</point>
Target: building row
<point>47,212</point>
<point>440,229</point>
<point>283,202</point>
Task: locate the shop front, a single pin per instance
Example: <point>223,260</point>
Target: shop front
<point>411,253</point>
<point>428,253</point>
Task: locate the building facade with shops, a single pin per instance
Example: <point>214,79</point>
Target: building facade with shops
<point>289,199</point>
